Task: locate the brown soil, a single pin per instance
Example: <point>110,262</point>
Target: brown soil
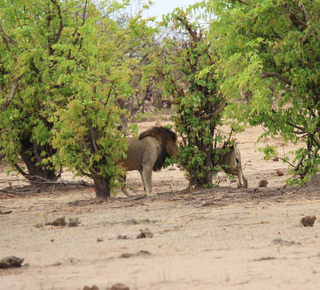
<point>221,238</point>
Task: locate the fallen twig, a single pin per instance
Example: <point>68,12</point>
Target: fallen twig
<point>248,224</point>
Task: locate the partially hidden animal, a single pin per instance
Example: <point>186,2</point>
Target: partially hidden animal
<point>231,163</point>
<point>148,153</point>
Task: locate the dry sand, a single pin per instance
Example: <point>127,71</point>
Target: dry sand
<point>222,238</point>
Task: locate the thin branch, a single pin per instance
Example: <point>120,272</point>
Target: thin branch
<point>242,2</point>
<point>256,16</point>
<point>11,95</point>
<point>284,160</point>
<point>43,182</point>
<point>16,166</point>
<point>310,20</point>
<point>83,21</point>
<point>47,181</point>
<point>6,38</point>
<point>289,123</point>
<point>296,22</point>
<point>61,22</point>
<point>299,164</point>
<point>276,75</point>
<point>93,138</point>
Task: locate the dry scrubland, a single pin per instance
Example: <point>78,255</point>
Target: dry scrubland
<point>222,238</point>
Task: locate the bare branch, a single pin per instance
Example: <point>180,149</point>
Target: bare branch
<point>83,21</point>
<point>285,160</point>
<point>16,166</point>
<point>296,22</point>
<point>61,22</point>
<point>43,182</point>
<point>242,2</point>
<point>276,75</point>
<point>6,39</point>
<point>93,138</point>
<point>310,20</point>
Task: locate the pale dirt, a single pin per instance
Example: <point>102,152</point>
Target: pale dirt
<point>222,238</point>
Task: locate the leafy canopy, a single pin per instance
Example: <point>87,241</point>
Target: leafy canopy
<point>271,49</point>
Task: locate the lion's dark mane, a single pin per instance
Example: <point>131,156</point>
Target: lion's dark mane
<point>164,136</point>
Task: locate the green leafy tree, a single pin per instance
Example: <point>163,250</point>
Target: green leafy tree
<point>28,82</point>
<point>272,49</point>
<point>85,131</point>
<point>187,66</point>
<point>89,142</point>
<point>63,65</point>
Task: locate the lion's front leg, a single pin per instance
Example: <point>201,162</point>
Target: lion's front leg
<point>242,181</point>
<point>146,176</point>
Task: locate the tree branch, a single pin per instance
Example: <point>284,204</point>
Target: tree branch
<point>93,138</point>
<point>242,2</point>
<point>11,95</point>
<point>311,23</point>
<point>61,22</point>
<point>16,166</point>
<point>6,38</point>
<point>296,22</point>
<point>276,75</point>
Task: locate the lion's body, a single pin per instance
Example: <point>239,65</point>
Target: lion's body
<point>231,164</point>
<point>149,152</point>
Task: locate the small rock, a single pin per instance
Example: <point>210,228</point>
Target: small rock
<point>57,222</point>
<point>308,221</point>
<point>282,242</point>
<point>140,254</point>
<point>145,234</point>
<point>263,183</point>
<point>120,286</point>
<point>94,287</point>
<point>39,225</point>
<point>275,158</point>
<point>99,240</point>
<point>5,212</point>
<point>11,262</point>
<point>131,222</point>
<point>73,222</point>
<point>126,255</point>
<point>280,173</point>
<point>143,253</point>
<point>122,237</point>
<point>210,203</point>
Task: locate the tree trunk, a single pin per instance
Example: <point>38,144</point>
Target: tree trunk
<point>196,180</point>
<point>37,172</point>
<point>102,186</point>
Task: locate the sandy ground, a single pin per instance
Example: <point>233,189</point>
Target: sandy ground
<point>222,238</point>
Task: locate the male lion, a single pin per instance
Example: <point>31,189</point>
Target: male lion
<point>231,164</point>
<point>148,154</point>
